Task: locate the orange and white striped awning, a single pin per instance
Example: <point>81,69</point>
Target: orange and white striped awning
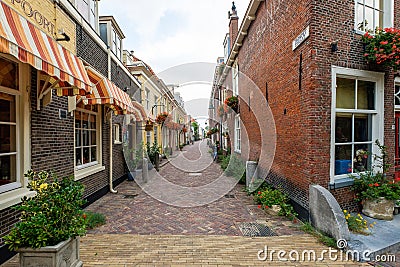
<point>105,92</point>
<point>29,44</point>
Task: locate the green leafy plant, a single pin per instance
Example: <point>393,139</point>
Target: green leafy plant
<point>373,183</point>
<point>357,223</point>
<point>232,102</point>
<point>94,219</point>
<point>268,196</point>
<point>52,216</point>
<point>152,151</point>
<point>322,237</point>
<point>383,47</point>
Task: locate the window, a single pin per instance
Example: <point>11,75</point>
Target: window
<point>116,134</point>
<point>370,14</point>
<point>9,152</point>
<point>357,111</point>
<point>87,128</point>
<point>235,81</point>
<point>397,94</point>
<point>88,10</point>
<point>156,107</point>
<point>237,134</point>
<point>147,99</point>
<point>103,32</point>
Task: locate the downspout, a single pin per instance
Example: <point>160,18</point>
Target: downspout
<point>111,129</point>
<point>111,157</point>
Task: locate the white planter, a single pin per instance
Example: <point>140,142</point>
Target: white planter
<point>380,208</point>
<point>65,254</point>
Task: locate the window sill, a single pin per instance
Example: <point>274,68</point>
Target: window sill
<point>82,173</point>
<point>117,143</point>
<point>13,197</point>
<point>340,183</point>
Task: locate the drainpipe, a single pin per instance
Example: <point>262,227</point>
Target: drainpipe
<point>111,157</point>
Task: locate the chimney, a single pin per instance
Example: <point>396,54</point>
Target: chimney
<point>233,25</point>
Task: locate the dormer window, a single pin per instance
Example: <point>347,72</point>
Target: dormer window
<point>112,35</point>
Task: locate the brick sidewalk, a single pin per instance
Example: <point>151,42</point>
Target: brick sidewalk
<point>142,231</point>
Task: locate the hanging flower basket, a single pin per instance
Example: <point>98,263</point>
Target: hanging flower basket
<point>383,48</point>
<point>233,103</point>
<point>161,118</point>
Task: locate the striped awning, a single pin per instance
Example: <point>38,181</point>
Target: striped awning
<point>29,44</point>
<point>105,92</point>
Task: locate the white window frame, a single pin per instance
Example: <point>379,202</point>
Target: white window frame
<point>237,142</point>
<point>235,79</point>
<point>377,114</point>
<point>17,94</point>
<point>397,94</point>
<point>117,134</point>
<point>147,98</point>
<point>388,15</point>
<point>87,169</point>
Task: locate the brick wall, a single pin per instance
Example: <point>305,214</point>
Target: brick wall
<point>8,217</point>
<point>90,51</point>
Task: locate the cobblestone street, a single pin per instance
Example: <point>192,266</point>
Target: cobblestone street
<point>142,231</point>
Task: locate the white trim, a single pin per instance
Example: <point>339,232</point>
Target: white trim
<point>378,113</point>
<point>237,143</point>
<point>88,171</point>
<point>11,198</point>
<point>388,15</point>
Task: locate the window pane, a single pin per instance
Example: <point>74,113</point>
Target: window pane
<point>85,120</point>
<point>86,155</point>
<point>78,138</point>
<point>370,2</point>
<point>85,137</point>
<point>362,157</point>
<point>78,156</point>
<point>8,169</point>
<point>77,119</point>
<point>362,128</point>
<point>397,97</point>
<point>92,122</point>
<point>93,138</point>
<point>8,74</point>
<point>366,95</point>
<point>7,108</point>
<point>343,128</point>
<point>360,17</point>
<point>345,93</point>
<point>7,138</point>
<point>343,159</point>
<point>93,153</point>
<point>369,19</point>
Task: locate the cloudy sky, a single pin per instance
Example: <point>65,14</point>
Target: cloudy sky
<point>166,33</point>
<point>172,35</point>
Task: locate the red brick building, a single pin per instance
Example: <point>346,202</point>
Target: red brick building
<point>306,57</point>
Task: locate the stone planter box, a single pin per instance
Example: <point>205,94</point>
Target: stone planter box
<point>380,208</point>
<point>65,253</point>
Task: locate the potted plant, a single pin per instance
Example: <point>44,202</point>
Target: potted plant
<point>51,222</point>
<point>149,126</point>
<point>233,103</point>
<point>376,191</point>
<point>383,47</point>
<point>180,147</point>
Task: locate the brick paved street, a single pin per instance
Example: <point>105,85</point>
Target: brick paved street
<point>142,231</point>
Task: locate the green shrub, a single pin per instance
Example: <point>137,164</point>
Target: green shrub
<point>94,219</point>
<point>52,216</point>
<point>267,196</point>
<point>225,162</point>
<point>323,238</point>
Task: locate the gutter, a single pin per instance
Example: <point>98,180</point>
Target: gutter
<point>112,190</point>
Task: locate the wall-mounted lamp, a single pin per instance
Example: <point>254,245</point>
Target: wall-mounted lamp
<point>334,46</point>
<point>65,38</point>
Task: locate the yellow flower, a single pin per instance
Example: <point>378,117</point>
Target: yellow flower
<point>345,211</point>
<point>43,186</point>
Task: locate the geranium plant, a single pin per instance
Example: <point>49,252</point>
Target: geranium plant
<point>53,215</point>
<point>383,47</point>
<point>162,117</point>
<point>373,183</point>
<point>232,102</point>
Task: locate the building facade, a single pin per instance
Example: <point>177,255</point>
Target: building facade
<point>328,104</point>
<point>62,101</point>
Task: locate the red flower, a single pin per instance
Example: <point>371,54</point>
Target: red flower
<point>349,170</point>
<point>384,42</point>
<point>259,192</point>
<point>376,184</point>
<point>266,207</point>
<point>84,216</point>
<point>370,185</point>
<point>259,206</point>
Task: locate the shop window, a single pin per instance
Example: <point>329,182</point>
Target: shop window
<point>87,139</point>
<point>9,151</point>
<point>356,119</point>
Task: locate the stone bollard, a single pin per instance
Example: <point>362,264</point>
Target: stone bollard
<point>251,172</point>
<point>145,170</point>
<point>157,162</point>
